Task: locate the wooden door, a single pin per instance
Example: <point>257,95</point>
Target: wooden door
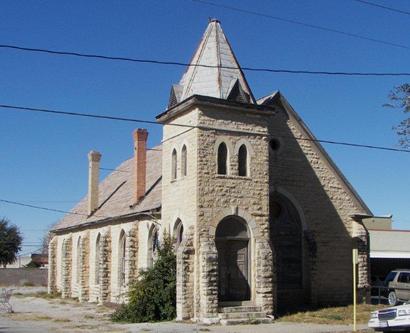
<point>233,270</point>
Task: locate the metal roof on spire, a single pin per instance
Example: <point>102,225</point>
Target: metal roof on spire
<point>224,79</point>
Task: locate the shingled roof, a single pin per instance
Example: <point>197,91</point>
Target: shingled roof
<point>116,194</point>
<point>214,71</point>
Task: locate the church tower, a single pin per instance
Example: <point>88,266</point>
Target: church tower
<point>215,184</point>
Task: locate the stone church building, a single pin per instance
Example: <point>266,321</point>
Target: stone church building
<point>260,215</point>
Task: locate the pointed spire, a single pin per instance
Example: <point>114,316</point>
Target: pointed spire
<point>218,80</point>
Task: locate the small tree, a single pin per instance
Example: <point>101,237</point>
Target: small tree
<point>400,99</point>
<point>10,242</point>
<point>153,296</point>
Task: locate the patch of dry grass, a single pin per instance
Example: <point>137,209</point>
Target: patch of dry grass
<point>103,309</point>
<point>89,316</point>
<point>85,327</point>
<point>62,320</point>
<point>332,315</point>
<point>29,316</point>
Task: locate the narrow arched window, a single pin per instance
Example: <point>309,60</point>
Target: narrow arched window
<point>174,165</point>
<point>78,260</point>
<point>178,233</point>
<point>153,244</point>
<point>184,161</point>
<point>222,159</point>
<point>97,259</point>
<point>242,161</point>
<point>121,258</point>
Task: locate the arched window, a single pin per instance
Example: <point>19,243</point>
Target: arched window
<point>286,236</point>
<point>222,159</point>
<point>153,244</point>
<point>174,165</point>
<point>121,258</point>
<point>97,259</point>
<point>184,165</point>
<point>242,161</point>
<point>178,232</point>
<point>78,260</point>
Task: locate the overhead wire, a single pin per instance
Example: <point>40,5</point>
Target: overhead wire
<point>184,64</point>
<point>373,4</point>
<point>190,127</point>
<point>46,208</point>
<point>301,23</point>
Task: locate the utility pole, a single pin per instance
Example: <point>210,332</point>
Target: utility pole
<point>355,261</point>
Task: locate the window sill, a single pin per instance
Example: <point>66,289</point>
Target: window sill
<point>233,177</point>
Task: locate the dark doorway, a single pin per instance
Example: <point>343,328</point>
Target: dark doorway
<point>232,242</point>
<point>286,235</point>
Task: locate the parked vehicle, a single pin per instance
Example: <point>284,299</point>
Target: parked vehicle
<point>398,286</point>
<point>395,318</point>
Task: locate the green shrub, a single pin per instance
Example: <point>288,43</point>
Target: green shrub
<point>153,296</point>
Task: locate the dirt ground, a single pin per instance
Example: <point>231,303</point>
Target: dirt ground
<point>35,314</point>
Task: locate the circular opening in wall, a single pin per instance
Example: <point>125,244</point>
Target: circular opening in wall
<point>274,144</point>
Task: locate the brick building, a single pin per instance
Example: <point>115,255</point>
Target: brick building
<point>260,214</point>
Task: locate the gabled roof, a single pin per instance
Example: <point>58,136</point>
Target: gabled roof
<point>116,194</point>
<point>277,99</point>
<point>214,71</point>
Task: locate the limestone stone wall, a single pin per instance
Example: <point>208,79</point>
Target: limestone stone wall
<point>84,273</point>
<point>180,196</point>
<point>208,282</point>
<point>299,171</point>
<point>185,276</point>
<point>105,268</point>
<point>231,194</point>
<point>131,255</point>
<point>265,292</point>
<point>75,265</point>
<point>66,267</point>
<point>52,265</point>
<point>118,288</point>
<point>80,282</point>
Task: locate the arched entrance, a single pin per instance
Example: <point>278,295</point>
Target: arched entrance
<point>232,243</point>
<point>286,234</point>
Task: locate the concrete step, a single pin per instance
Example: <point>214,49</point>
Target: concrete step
<point>242,315</point>
<point>247,308</point>
<point>227,322</point>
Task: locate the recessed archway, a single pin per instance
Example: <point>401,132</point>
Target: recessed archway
<point>233,245</point>
<point>286,234</point>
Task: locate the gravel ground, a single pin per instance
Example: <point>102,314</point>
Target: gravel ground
<point>38,315</point>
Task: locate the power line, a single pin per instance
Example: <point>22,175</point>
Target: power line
<point>190,127</point>
<point>45,208</point>
<point>373,4</point>
<point>183,64</point>
<point>301,23</point>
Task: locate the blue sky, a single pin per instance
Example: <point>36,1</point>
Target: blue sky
<point>44,157</point>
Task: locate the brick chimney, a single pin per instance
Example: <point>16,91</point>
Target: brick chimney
<point>140,162</point>
<point>94,158</point>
